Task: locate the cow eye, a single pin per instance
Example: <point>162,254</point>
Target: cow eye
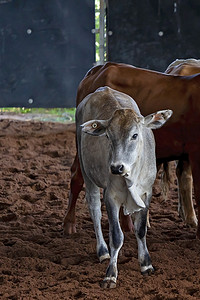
<point>134,137</point>
<point>94,125</point>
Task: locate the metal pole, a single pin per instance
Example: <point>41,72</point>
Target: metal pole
<point>101,32</point>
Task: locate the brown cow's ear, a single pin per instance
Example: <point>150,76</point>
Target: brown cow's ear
<point>95,127</point>
<point>157,119</point>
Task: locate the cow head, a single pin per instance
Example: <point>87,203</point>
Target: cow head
<point>125,132</point>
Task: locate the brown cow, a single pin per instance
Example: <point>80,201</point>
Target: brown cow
<point>179,139</point>
<point>183,67</point>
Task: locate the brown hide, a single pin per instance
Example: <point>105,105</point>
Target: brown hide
<point>184,67</point>
<point>154,91</point>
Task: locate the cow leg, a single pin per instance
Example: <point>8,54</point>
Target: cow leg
<point>94,204</point>
<point>116,238</point>
<point>125,221</point>
<point>166,177</point>
<point>76,185</point>
<point>195,164</point>
<point>185,184</point>
<point>140,225</point>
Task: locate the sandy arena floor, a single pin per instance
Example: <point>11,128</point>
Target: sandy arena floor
<point>38,262</point>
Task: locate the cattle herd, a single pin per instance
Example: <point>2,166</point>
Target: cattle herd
<point>117,106</point>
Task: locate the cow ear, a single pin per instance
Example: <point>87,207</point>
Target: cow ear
<point>157,119</point>
<point>95,127</point>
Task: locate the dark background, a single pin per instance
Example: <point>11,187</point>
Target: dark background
<point>46,47</point>
<point>136,26</point>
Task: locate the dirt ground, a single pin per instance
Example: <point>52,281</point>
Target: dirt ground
<point>38,262</point>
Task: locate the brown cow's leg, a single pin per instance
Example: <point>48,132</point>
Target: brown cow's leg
<point>195,164</point>
<point>166,178</point>
<point>185,182</point>
<point>125,221</point>
<point>76,185</point>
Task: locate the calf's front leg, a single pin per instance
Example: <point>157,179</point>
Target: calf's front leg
<point>140,225</point>
<point>116,238</point>
<point>94,204</point>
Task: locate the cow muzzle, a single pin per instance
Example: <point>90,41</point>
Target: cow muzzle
<point>118,169</point>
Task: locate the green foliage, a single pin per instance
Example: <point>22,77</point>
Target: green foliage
<point>60,113</point>
<point>97,15</point>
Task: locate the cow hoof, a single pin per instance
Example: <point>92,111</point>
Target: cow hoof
<point>69,228</point>
<point>104,257</point>
<point>192,222</point>
<point>146,271</point>
<point>103,253</point>
<point>108,283</point>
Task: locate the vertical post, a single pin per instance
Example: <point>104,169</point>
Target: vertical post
<point>101,31</point>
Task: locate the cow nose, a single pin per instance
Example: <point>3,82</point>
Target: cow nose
<point>117,169</point>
